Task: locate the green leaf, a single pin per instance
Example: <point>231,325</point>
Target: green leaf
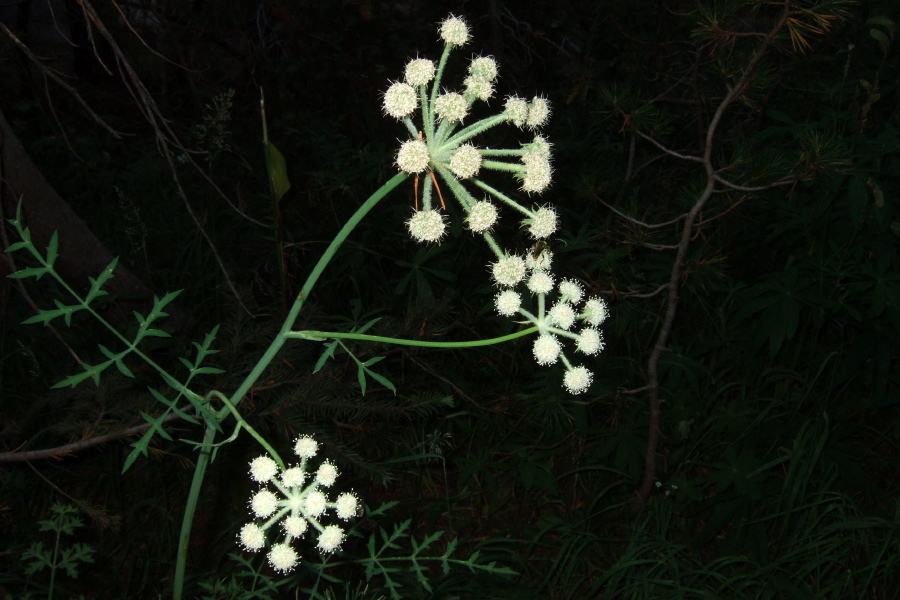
<point>53,249</point>
<point>36,272</point>
<point>277,168</point>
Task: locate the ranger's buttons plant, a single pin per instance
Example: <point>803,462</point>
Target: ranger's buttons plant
<point>297,502</point>
<point>441,149</point>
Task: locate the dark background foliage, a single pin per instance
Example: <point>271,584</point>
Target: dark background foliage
<point>776,470</point>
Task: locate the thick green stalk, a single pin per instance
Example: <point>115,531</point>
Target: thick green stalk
<point>274,347</point>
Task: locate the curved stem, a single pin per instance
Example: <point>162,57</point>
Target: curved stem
<point>208,438</point>
<point>324,335</point>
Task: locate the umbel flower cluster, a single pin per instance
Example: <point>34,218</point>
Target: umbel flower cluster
<point>441,150</point>
<point>294,498</point>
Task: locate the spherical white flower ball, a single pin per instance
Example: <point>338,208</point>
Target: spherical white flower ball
<point>331,538</point>
<point>400,100</point>
<point>264,503</point>
<point>315,503</point>
<point>508,303</point>
<point>538,172</point>
<point>283,558</point>
<point>508,271</point>
<point>577,380</point>
<point>570,291</point>
<point>306,447</point>
<point>327,474</point>
<point>413,156</point>
<point>484,68</point>
<point>544,223</point>
<point>590,341</point>
<point>263,469</point>
<point>293,477</point>
<point>482,216</point>
<point>546,349</point>
<point>451,107</point>
<point>516,111</point>
<point>295,526</point>
<point>562,315</point>
<point>540,282</point>
<point>346,505</point>
<point>454,31</point>
<point>419,71</point>
<point>594,311</point>
<point>426,226</point>
<point>466,161</point>
<point>538,113</point>
<point>252,537</point>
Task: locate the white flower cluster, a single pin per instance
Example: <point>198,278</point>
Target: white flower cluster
<point>297,502</point>
<point>557,321</point>
<point>440,146</point>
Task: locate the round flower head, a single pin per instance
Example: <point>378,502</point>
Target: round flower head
<point>538,113</point>
<point>400,100</point>
<point>483,68</point>
<point>509,271</point>
<point>577,380</point>
<point>594,311</point>
<point>293,477</point>
<point>413,156</point>
<point>327,474</point>
<point>252,537</point>
<point>315,503</point>
<point>264,503</point>
<point>347,505</point>
<point>546,349</point>
<point>263,469</point>
<point>537,172</point>
<point>570,291</point>
<point>454,31</point>
<point>516,110</point>
<point>466,161</point>
<point>283,558</point>
<point>590,341</point>
<point>451,107</point>
<point>541,146</point>
<point>331,538</point>
<point>508,302</point>
<point>426,226</point>
<point>562,315</point>
<point>543,223</point>
<point>295,526</point>
<point>419,71</point>
<point>478,88</point>
<point>540,282</point>
<point>482,216</point>
<point>306,447</point>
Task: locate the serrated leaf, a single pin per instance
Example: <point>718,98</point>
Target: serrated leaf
<point>140,447</point>
<point>36,272</point>
<point>53,249</point>
<point>208,371</point>
<point>157,332</point>
<point>16,245</point>
<point>327,354</point>
<point>171,404</point>
<point>383,381</point>
<point>160,303</point>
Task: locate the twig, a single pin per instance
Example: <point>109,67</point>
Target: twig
<point>62,451</point>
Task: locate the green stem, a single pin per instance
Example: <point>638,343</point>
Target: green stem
<point>325,335</point>
<point>274,347</point>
